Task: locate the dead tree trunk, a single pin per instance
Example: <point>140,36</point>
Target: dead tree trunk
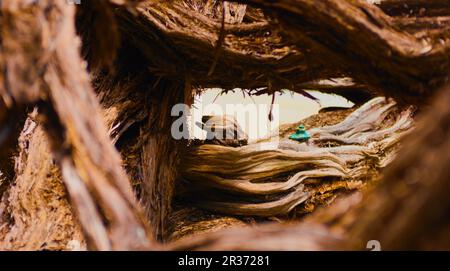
<point>161,154</point>
<point>414,8</point>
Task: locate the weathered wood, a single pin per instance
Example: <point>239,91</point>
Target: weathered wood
<point>91,167</point>
<point>283,63</point>
<point>35,213</point>
<point>409,209</point>
<point>400,57</point>
<point>292,237</point>
<point>360,36</point>
<point>259,181</point>
<point>160,157</point>
<point>253,52</point>
<point>345,87</point>
<point>138,112</point>
<point>89,149</point>
<point>414,8</point>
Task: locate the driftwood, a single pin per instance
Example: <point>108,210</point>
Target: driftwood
<point>406,210</point>
<point>308,237</point>
<point>189,56</point>
<point>254,177</point>
<point>150,59</point>
<point>345,87</point>
<point>35,212</point>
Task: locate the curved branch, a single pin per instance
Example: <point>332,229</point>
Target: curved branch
<point>359,35</point>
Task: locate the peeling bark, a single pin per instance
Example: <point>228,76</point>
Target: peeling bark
<point>255,180</point>
<point>91,167</point>
<point>415,8</point>
<point>35,213</point>
<point>167,27</point>
<point>412,201</point>
<point>360,36</point>
<point>160,157</point>
<point>408,209</point>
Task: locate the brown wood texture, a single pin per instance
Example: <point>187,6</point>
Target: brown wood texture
<point>97,156</point>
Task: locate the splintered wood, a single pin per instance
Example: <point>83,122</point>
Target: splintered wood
<point>48,69</point>
<point>255,181</point>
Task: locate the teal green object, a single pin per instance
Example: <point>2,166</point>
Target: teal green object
<point>301,134</point>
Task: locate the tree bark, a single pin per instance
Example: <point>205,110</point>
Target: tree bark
<point>360,36</point>
<point>34,211</point>
<point>188,53</point>
<point>411,205</point>
<point>90,165</point>
<point>407,209</point>
<point>415,8</point>
<point>160,157</point>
